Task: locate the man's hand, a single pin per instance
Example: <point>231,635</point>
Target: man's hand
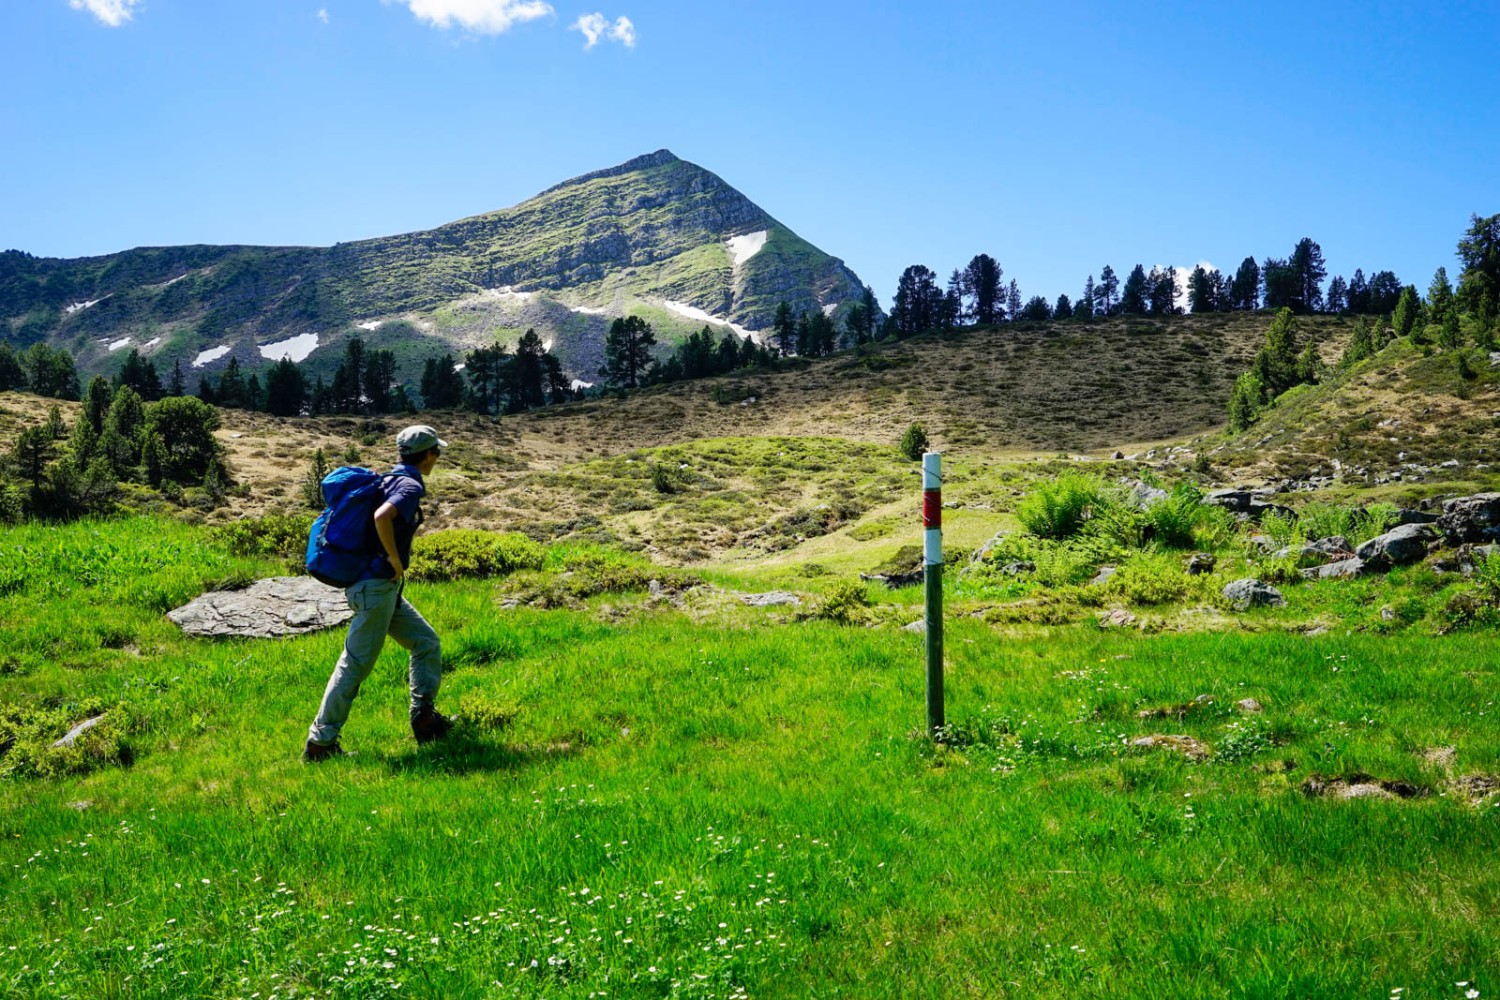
<point>396,569</point>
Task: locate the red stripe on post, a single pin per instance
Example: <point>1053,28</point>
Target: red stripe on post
<point>932,508</point>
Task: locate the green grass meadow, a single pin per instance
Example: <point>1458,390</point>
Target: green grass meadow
<point>643,800</point>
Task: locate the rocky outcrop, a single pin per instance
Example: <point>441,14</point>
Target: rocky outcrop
<point>1474,519</point>
<point>266,609</point>
<point>1246,504</point>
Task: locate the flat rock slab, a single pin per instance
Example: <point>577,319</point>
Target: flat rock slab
<point>774,599</point>
<point>1193,749</point>
<point>267,609</point>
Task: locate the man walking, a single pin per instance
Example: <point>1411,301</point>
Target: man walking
<point>381,610</point>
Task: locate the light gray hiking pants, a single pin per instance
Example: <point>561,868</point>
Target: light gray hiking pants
<point>379,610</point>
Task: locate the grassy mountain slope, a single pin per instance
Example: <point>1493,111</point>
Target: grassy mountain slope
<point>1405,424</point>
<point>652,234</point>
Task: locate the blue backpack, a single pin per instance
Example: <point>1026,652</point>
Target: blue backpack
<point>338,547</point>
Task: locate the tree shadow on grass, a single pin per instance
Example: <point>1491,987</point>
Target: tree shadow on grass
<point>468,750</point>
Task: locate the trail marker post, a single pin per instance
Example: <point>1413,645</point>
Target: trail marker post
<point>932,523</point>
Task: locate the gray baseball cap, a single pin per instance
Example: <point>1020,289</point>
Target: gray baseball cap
<point>417,439</point>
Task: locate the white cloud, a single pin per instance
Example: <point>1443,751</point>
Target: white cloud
<point>623,32</point>
<point>489,17</point>
<point>593,27</point>
<point>597,26</point>
<point>323,15</point>
<point>112,12</point>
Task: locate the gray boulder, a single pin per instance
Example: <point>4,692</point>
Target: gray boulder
<point>1416,516</point>
<point>1343,569</point>
<point>282,605</point>
<point>1323,550</point>
<point>1398,547</point>
<point>1142,495</point>
<point>1201,563</point>
<point>1104,575</point>
<point>1474,519</point>
<point>1245,504</point>
<point>1243,595</point>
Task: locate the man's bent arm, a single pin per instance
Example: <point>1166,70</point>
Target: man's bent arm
<point>385,527</point>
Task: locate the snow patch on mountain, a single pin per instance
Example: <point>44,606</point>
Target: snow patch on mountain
<point>117,345</point>
<point>297,348</point>
<point>371,326</point>
<point>701,316</point>
<point>742,248</point>
<point>211,355</point>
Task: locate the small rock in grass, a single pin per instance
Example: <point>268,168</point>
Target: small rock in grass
<point>1118,618</point>
<point>1361,786</point>
<point>1338,570</point>
<point>1249,706</point>
<point>1201,563</point>
<point>1193,749</point>
<point>776,598</point>
<point>916,628</point>
<point>77,731</point>
<point>1105,573</point>
<point>1245,594</point>
<point>79,804</point>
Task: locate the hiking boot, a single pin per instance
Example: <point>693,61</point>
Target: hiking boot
<point>313,753</point>
<point>427,725</point>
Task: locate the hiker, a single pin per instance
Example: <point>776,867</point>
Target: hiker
<point>381,610</point>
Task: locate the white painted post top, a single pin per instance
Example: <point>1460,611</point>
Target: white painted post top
<point>932,470</point>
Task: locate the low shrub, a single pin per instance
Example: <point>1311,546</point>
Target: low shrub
<point>1150,578</point>
<point>277,536</point>
<point>27,733</point>
<point>1059,508</point>
<point>486,714</point>
<point>465,554</point>
<point>847,603</point>
<point>914,443</point>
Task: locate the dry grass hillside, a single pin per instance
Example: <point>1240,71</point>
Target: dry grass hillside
<point>800,462</point>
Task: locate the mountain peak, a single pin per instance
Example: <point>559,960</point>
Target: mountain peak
<point>660,158</point>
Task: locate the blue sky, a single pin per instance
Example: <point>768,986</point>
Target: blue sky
<point>1055,136</point>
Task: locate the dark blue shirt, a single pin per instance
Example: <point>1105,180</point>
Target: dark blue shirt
<point>403,489</point>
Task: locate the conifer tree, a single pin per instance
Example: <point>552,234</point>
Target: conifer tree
<point>784,329</point>
<point>1450,334</point>
<point>1133,298</point>
<point>1276,364</point>
<point>1105,291</point>
<point>177,386</point>
<point>230,392</point>
<point>1439,295</point>
<point>1245,290</point>
<point>1013,299</point>
<point>1063,309</point>
<point>1084,307</point>
<point>1361,343</point>
<point>627,352</point>
<point>1245,401</point>
<point>1337,300</point>
<point>981,285</point>
<point>1407,320</point>
<point>55,426</point>
<point>11,375</point>
<point>286,389</point>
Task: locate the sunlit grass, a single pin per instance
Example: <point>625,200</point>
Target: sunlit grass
<point>653,804</point>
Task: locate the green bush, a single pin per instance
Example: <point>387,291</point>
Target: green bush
<point>28,732</point>
<point>1060,507</point>
<point>278,536</point>
<point>1150,578</point>
<point>1356,525</point>
<point>914,442</point>
<point>464,554</point>
<point>848,603</point>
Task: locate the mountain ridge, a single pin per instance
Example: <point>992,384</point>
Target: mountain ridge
<point>655,236</point>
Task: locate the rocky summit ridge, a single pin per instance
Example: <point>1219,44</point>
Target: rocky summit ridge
<point>656,236</point>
